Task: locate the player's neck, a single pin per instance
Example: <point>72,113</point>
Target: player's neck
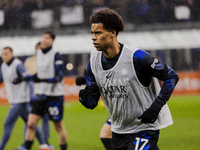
<point>112,51</point>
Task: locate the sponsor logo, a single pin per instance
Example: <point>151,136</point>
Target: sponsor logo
<point>115,88</point>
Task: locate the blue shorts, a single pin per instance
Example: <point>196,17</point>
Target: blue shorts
<point>53,105</point>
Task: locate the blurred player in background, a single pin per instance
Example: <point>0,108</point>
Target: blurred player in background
<point>18,93</point>
<point>31,66</point>
<point>125,77</point>
<point>49,91</point>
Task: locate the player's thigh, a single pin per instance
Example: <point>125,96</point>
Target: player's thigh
<point>33,120</point>
<point>11,117</point>
<point>14,112</point>
<point>120,141</point>
<point>25,111</point>
<point>106,131</point>
<point>144,140</point>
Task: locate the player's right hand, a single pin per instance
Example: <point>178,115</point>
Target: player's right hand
<point>80,80</point>
<point>89,96</point>
<point>83,96</point>
<point>17,80</point>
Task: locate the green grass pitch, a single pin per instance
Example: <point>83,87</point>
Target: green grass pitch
<point>83,126</point>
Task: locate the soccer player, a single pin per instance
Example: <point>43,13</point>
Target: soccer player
<point>125,77</point>
<point>49,91</point>
<point>31,66</point>
<point>18,93</point>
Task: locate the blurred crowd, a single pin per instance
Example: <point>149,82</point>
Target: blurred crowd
<point>17,13</point>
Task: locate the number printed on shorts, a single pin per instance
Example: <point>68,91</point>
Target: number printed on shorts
<point>144,143</point>
<point>53,111</point>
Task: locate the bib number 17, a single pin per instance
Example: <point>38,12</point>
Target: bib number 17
<point>140,140</point>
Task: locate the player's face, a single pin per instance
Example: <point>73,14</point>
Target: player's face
<point>6,55</point>
<point>46,41</point>
<point>102,38</point>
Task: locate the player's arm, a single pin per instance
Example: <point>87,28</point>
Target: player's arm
<point>89,96</point>
<point>22,74</point>
<point>149,66</point>
<point>59,69</point>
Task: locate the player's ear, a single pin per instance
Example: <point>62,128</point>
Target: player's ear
<point>113,33</point>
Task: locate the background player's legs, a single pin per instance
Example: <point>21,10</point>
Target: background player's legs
<point>39,137</point>
<point>45,129</point>
<point>106,136</point>
<point>31,129</point>
<point>45,126</point>
<point>39,134</point>
<point>62,134</point>
<point>9,124</point>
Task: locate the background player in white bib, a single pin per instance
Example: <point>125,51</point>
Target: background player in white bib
<point>124,76</point>
<point>49,91</point>
<point>31,66</point>
<point>18,93</point>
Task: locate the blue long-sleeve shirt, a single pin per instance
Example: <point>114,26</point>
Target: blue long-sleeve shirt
<point>146,67</point>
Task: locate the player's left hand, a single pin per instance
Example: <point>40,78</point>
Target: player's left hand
<point>36,79</point>
<point>151,114</point>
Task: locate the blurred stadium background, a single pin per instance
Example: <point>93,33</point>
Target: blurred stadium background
<point>168,29</point>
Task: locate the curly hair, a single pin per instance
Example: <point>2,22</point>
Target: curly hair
<point>109,18</point>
